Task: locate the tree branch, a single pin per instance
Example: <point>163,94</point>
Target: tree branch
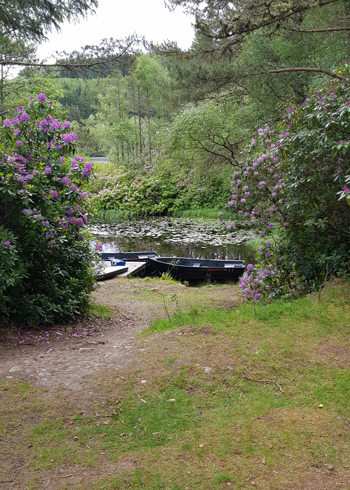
<point>314,70</point>
<point>330,29</point>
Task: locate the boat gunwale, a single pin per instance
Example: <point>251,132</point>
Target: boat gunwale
<point>235,263</point>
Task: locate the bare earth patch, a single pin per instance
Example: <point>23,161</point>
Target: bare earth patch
<point>67,357</point>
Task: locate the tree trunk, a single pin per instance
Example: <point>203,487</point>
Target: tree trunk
<point>149,131</point>
<point>139,115</point>
<point>120,119</point>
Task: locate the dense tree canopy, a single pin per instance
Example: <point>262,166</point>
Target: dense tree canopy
<point>31,19</point>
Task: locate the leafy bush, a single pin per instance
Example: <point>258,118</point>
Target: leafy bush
<point>155,195</point>
<point>45,257</point>
<point>297,178</point>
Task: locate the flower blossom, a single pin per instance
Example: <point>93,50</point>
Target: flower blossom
<point>6,244</point>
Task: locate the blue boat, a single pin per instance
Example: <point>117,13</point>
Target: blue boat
<point>196,270</point>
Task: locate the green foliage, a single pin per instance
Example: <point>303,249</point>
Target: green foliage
<point>33,18</point>
<point>295,178</point>
<point>155,194</point>
<point>78,96</point>
<point>11,268</point>
<point>204,135</point>
<point>30,83</point>
<point>45,255</point>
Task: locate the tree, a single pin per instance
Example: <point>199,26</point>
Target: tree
<point>115,129</point>
<point>205,135</point>
<point>32,19</point>
<point>153,81</point>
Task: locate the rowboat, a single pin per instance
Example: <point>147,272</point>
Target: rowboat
<point>197,270</point>
<point>127,256</point>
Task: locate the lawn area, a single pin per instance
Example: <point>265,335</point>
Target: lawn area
<point>216,398</point>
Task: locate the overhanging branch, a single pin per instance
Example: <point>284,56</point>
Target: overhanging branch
<point>314,70</point>
<point>330,29</point>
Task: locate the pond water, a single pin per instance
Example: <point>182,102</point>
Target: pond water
<point>180,237</point>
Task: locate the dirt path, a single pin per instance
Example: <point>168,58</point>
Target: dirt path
<point>68,357</point>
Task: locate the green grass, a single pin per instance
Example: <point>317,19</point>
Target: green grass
<point>210,213</point>
<point>96,310</point>
<point>275,399</point>
<point>110,215</point>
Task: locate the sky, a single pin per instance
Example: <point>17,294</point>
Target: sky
<point>118,19</point>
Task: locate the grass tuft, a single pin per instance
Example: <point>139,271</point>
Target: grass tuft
<point>96,310</point>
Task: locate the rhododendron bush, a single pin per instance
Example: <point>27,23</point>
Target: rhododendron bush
<point>45,257</point>
<point>296,178</point>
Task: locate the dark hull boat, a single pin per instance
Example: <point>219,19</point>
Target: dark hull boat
<point>128,256</point>
<point>196,270</point>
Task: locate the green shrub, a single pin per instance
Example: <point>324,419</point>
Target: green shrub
<point>45,257</point>
<point>296,176</point>
<point>156,195</point>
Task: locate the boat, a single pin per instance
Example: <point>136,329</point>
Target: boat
<point>127,256</point>
<point>196,270</point>
<point>104,270</point>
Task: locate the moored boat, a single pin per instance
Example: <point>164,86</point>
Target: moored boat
<point>127,256</point>
<point>198,270</point>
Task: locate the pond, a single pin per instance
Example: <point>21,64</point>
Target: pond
<point>180,237</point>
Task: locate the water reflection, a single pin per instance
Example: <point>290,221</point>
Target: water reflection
<point>181,237</point>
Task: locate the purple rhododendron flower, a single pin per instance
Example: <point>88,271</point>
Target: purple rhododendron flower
<point>250,267</point>
<point>65,180</point>
<point>55,125</point>
<point>268,244</point>
<point>6,244</point>
<point>54,194</point>
<point>19,143</point>
<point>24,117</point>
<point>7,122</point>
<point>41,97</point>
<point>67,138</point>
<point>47,170</point>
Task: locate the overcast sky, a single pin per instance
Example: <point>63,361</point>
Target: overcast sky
<point>118,19</point>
